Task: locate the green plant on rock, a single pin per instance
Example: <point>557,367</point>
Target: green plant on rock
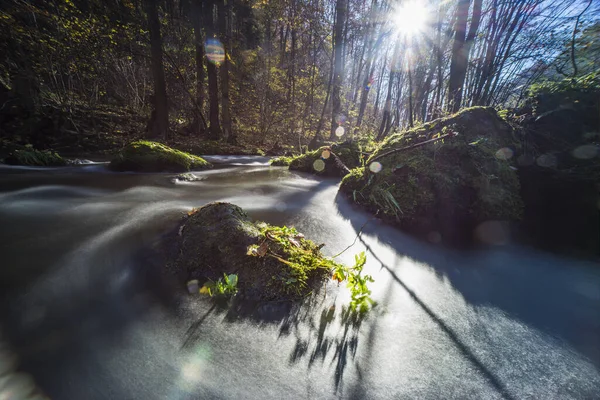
<point>302,258</point>
<point>383,197</point>
<point>222,287</point>
<point>357,283</point>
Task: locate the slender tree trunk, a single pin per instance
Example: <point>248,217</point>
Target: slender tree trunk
<point>573,61</point>
<point>365,89</point>
<point>458,65</point>
<point>317,138</point>
<point>387,108</point>
<point>224,28</point>
<point>379,82</point>
<point>338,71</point>
<point>214,130</point>
<point>410,95</point>
<point>200,75</point>
<point>159,125</point>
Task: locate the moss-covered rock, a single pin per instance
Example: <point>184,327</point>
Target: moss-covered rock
<point>323,162</point>
<point>272,263</point>
<point>33,157</point>
<point>447,186</point>
<point>146,156</point>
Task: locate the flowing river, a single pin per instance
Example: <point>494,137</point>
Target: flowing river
<point>88,314</point>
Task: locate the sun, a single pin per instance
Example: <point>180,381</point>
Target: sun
<point>411,17</point>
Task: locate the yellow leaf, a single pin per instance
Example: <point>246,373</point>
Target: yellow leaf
<point>204,290</point>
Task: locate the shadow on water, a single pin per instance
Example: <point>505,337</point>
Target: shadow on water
<point>550,293</point>
<point>331,334</point>
<point>323,331</point>
<point>450,333</point>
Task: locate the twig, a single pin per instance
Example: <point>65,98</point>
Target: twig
<point>387,153</point>
<point>356,238</point>
<point>338,161</point>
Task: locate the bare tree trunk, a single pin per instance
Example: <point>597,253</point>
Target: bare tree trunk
<point>387,108</point>
<point>573,61</point>
<point>338,71</point>
<point>224,28</point>
<point>200,54</point>
<point>315,140</point>
<point>410,95</point>
<point>214,130</point>
<point>159,124</point>
<point>458,65</point>
<point>380,81</point>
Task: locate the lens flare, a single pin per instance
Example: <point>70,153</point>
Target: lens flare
<point>504,153</point>
<point>493,232</point>
<point>340,119</point>
<point>326,154</point>
<point>585,152</point>
<point>319,165</point>
<point>215,52</point>
<point>193,286</point>
<point>547,160</point>
<point>339,132</point>
<point>375,167</point>
<point>525,160</point>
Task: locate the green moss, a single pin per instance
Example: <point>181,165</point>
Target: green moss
<point>589,83</point>
<point>33,157</point>
<point>155,157</point>
<point>272,263</point>
<point>301,259</point>
<point>282,161</point>
<point>450,184</point>
<point>354,179</point>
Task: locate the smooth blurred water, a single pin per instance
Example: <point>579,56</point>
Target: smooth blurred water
<point>88,316</point>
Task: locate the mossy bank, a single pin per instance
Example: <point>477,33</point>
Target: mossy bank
<point>444,188</point>
<point>146,156</point>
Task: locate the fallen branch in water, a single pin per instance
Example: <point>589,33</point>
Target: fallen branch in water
<point>357,235</point>
<point>387,153</point>
<point>338,161</point>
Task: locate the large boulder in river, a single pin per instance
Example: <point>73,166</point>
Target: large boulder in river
<point>444,188</point>
<point>272,263</point>
<point>146,156</point>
